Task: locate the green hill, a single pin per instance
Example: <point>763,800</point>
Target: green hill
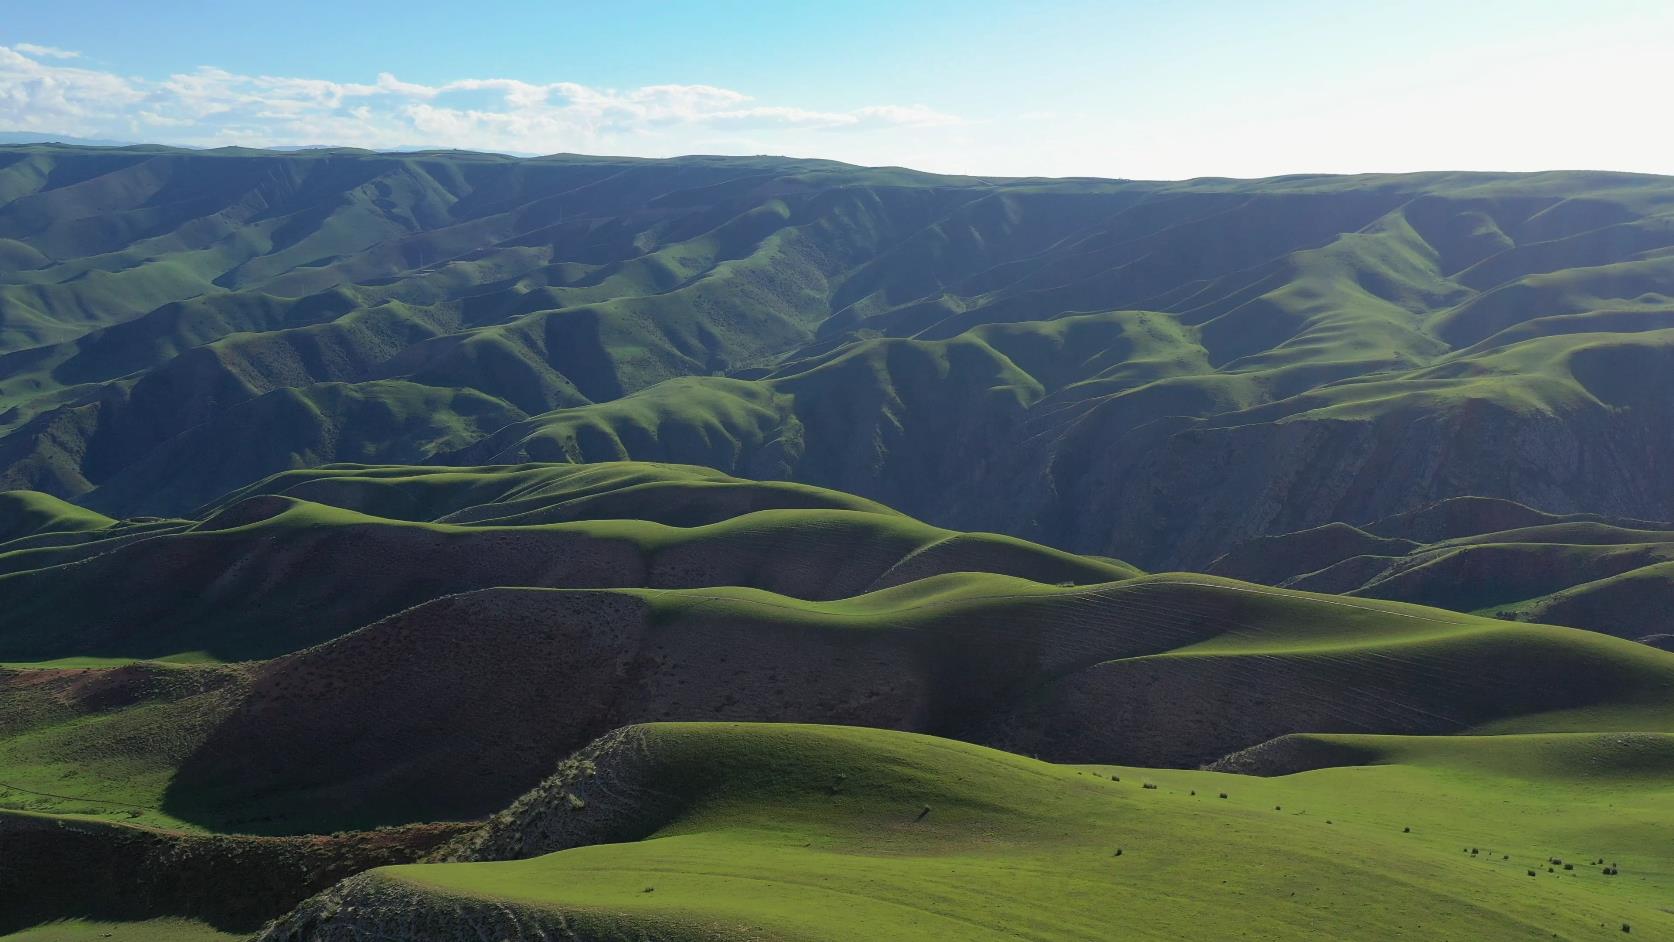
<point>380,652</point>
<point>1152,371</point>
<point>487,620</point>
<point>1491,557</point>
<point>446,545</point>
<point>265,572</point>
<point>725,831</point>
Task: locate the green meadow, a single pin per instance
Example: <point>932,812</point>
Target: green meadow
<point>823,833</point>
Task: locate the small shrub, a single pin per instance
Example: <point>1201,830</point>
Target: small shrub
<point>1194,791</point>
<point>1223,794</point>
<point>1149,785</point>
<point>1118,852</point>
<point>1406,830</point>
<point>1569,866</point>
<point>1531,873</point>
<point>1277,808</point>
<point>1626,927</point>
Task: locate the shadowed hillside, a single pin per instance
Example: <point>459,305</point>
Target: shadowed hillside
<point>419,644</point>
<point>1153,371</point>
<point>290,561</point>
<point>1491,557</point>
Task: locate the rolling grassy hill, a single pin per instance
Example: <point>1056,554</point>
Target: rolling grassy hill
<point>1152,371</point>
<point>445,545</point>
<point>316,666</point>
<point>1491,557</point>
<point>380,652</point>
<point>290,562</point>
<point>715,831</point>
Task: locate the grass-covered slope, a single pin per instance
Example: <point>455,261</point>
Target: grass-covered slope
<point>357,647</point>
<point>30,513</point>
<point>832,833</point>
<point>290,562</point>
<point>1153,371</point>
<point>449,709</point>
<point>1492,557</point>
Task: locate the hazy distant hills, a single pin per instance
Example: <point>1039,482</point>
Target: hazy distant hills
<point>1152,371</point>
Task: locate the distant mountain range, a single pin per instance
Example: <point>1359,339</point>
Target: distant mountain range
<point>1153,371</point>
<point>49,137</point>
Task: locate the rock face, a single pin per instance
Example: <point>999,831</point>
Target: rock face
<point>1288,755</point>
<point>612,779</point>
<point>371,906</point>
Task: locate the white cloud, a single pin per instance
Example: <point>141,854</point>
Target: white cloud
<point>213,106</point>
<point>46,52</point>
<point>37,95</point>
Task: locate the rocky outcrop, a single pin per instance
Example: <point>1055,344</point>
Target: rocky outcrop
<point>606,793</point>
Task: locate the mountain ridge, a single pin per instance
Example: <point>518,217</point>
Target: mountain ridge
<point>870,330</point>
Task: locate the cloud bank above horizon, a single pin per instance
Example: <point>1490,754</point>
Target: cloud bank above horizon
<point>43,88</point>
<point>1072,88</point>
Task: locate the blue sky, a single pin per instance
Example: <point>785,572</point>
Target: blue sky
<point>1156,90</point>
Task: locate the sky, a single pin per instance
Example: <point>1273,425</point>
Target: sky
<point>1145,90</point>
